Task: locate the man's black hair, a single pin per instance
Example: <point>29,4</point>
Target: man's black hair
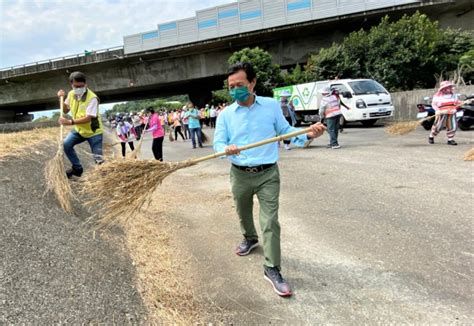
<point>77,76</point>
<point>150,110</point>
<point>245,66</point>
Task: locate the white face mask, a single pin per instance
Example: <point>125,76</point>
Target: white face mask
<point>79,91</point>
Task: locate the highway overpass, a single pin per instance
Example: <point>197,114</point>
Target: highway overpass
<point>195,68</point>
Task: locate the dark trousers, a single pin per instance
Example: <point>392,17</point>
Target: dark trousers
<point>138,130</point>
<point>124,149</point>
<point>177,130</point>
<point>186,131</point>
<point>157,148</point>
<point>288,141</point>
<point>213,122</point>
<point>333,129</point>
<point>194,132</point>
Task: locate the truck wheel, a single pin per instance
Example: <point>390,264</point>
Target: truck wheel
<point>369,123</point>
<point>342,121</point>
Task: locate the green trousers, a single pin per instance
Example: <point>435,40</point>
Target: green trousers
<point>266,185</point>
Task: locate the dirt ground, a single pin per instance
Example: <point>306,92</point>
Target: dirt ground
<point>377,232</point>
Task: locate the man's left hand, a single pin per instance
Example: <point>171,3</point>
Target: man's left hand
<point>64,121</point>
<point>317,130</point>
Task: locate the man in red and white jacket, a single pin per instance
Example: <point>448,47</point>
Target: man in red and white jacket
<point>445,104</point>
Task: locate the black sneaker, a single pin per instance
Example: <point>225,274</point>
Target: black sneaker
<point>430,140</point>
<point>246,246</point>
<point>452,142</point>
<point>280,286</point>
<point>74,172</point>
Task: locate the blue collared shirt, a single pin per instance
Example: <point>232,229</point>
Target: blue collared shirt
<point>240,125</point>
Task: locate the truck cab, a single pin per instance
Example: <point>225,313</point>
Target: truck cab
<point>367,99</point>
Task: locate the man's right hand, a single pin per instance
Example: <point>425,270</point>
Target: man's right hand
<point>61,93</point>
<point>232,150</point>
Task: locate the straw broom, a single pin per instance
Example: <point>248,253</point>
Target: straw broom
<point>204,137</point>
<point>403,128</point>
<point>170,136</point>
<point>55,174</point>
<point>134,154</point>
<point>119,189</point>
<point>469,155</point>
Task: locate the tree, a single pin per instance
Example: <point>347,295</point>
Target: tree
<point>294,76</point>
<point>402,55</point>
<point>268,73</point>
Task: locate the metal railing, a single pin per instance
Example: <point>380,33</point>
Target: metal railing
<point>62,62</point>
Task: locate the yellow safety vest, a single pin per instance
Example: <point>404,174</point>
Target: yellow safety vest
<point>78,110</point>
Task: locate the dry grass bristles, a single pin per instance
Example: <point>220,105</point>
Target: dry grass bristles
<point>119,189</point>
<point>57,182</point>
<point>402,128</point>
<point>469,155</point>
<point>170,135</point>
<point>204,137</point>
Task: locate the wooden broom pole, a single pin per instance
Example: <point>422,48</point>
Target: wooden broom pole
<point>257,144</point>
<point>61,114</point>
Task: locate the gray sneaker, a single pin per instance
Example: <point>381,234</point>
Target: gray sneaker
<point>280,286</point>
<point>246,246</point>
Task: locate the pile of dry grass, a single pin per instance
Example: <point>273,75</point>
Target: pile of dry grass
<point>119,189</point>
<point>18,143</point>
<point>469,155</point>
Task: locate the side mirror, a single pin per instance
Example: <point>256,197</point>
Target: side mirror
<point>347,94</point>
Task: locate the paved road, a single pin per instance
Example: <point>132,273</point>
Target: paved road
<point>378,231</point>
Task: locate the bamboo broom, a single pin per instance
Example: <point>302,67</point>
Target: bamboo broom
<point>134,154</point>
<point>55,174</point>
<point>403,128</point>
<point>119,189</point>
<point>204,137</point>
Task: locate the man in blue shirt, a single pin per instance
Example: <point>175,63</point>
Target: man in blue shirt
<point>193,124</point>
<point>250,119</point>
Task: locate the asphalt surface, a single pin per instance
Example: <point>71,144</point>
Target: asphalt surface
<point>379,231</point>
<point>52,269</point>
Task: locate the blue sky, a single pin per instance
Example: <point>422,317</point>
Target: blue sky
<point>35,30</point>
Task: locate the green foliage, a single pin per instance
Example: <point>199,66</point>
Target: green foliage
<point>402,55</point>
<point>171,103</point>
<point>268,74</point>
<point>221,96</point>
<point>41,119</point>
<point>294,76</point>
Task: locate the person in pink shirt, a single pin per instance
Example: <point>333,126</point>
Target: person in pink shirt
<point>158,133</point>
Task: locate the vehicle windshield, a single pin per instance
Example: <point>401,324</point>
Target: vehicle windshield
<point>367,87</point>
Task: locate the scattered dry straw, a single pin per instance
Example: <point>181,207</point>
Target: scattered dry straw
<point>164,283</point>
<point>469,155</point>
<point>402,128</point>
<point>119,189</point>
<point>57,182</point>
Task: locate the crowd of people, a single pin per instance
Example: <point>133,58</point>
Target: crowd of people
<point>249,119</point>
<point>185,123</point>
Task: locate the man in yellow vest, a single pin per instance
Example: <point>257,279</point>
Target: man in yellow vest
<point>83,106</point>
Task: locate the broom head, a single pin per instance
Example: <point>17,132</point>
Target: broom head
<point>204,137</point>
<point>119,189</point>
<point>57,182</point>
<point>402,128</point>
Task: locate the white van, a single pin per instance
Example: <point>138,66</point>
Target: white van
<point>368,100</point>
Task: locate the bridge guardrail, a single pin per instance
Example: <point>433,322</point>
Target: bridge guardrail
<point>62,62</point>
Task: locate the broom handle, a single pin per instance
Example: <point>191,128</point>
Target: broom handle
<point>61,114</point>
<point>435,115</point>
<point>257,144</point>
<point>142,136</point>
